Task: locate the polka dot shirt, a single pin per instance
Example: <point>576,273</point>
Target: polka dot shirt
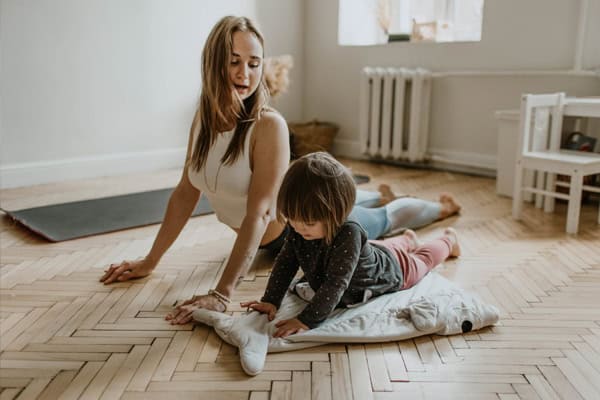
<point>344,273</point>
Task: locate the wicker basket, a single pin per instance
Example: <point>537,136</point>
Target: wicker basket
<point>312,136</point>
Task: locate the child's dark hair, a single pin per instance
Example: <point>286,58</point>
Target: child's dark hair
<point>317,188</point>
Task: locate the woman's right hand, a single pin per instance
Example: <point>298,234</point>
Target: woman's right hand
<point>127,270</point>
<point>261,307</point>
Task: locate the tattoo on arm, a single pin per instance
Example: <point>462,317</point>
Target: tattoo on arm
<point>247,261</point>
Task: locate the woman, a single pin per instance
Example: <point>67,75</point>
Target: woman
<point>238,152</point>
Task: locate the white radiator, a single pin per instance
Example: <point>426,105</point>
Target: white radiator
<point>394,113</point>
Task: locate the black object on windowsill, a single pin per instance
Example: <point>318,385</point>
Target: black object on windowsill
<point>580,142</point>
<point>398,37</point>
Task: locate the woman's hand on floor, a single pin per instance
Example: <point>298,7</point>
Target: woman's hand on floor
<point>289,327</point>
<point>261,307</point>
<point>127,270</point>
<point>182,314</point>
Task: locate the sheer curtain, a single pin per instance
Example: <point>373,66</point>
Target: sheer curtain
<point>369,22</point>
<point>359,24</point>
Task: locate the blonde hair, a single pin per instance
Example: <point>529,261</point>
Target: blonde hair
<point>317,188</point>
<point>219,106</point>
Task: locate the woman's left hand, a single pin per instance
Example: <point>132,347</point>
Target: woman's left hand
<point>289,327</point>
<point>182,314</point>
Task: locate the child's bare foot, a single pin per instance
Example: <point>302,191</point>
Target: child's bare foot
<point>386,194</point>
<point>413,239</point>
<point>450,233</point>
<point>449,205</point>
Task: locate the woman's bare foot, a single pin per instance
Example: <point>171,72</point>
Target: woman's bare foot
<point>386,194</point>
<point>450,233</point>
<point>413,239</point>
<point>449,205</point>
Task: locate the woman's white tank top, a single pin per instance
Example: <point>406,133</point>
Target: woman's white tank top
<point>225,186</point>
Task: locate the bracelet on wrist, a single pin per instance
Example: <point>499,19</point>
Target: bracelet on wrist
<point>220,297</point>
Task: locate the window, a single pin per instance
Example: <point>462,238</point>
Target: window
<point>369,22</point>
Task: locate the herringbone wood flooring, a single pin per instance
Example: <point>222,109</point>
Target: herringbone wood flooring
<point>64,335</point>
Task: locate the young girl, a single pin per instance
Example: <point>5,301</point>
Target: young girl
<point>341,266</point>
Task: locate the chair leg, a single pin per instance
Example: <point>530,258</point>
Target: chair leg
<point>550,187</point>
<point>539,184</point>
<point>517,204</point>
<point>574,203</point>
<point>529,179</point>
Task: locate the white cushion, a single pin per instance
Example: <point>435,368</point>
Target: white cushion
<point>434,305</point>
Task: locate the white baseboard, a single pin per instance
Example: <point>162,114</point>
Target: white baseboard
<point>35,173</point>
<point>27,174</point>
<point>474,163</point>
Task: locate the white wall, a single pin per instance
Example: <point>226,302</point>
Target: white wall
<point>101,87</point>
<point>105,87</point>
<point>282,24</point>
<point>519,36</point>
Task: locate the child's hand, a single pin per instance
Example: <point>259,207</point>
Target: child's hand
<point>289,327</point>
<point>261,307</point>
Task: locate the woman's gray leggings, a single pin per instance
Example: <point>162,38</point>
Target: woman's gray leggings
<point>405,212</point>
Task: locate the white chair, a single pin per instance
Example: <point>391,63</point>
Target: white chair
<point>539,151</point>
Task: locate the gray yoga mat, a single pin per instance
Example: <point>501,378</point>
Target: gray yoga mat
<point>67,221</point>
<point>361,179</point>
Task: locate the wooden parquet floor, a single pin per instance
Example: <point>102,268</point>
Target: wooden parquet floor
<point>66,336</point>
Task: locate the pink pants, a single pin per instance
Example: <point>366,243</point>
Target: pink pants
<point>416,263</point>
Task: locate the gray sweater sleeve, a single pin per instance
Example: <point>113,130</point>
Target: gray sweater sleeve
<point>343,259</point>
